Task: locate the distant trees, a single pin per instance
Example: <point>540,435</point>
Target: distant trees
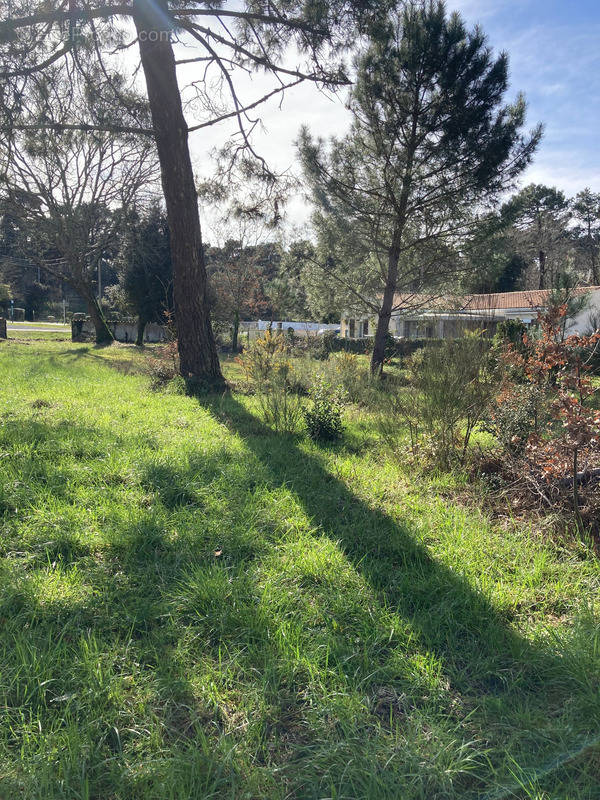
<point>287,292</point>
<point>540,215</point>
<point>430,142</point>
<point>586,232</point>
<point>237,274</point>
<point>26,283</point>
<point>71,189</point>
<point>540,239</point>
<point>492,263</point>
<point>145,272</point>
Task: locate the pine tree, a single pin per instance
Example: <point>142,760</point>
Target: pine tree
<point>430,142</point>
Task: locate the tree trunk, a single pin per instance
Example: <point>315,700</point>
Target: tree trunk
<point>542,260</point>
<point>385,312</point>
<point>595,277</point>
<point>235,331</point>
<point>141,327</point>
<point>198,356</point>
<point>103,332</point>
<point>391,282</point>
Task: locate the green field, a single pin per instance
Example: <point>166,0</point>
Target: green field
<point>50,326</point>
<point>194,607</point>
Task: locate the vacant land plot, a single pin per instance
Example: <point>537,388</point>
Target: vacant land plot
<point>194,607</point>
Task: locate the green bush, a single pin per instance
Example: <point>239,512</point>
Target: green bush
<point>324,418</point>
<point>514,415</point>
<point>448,391</point>
<point>510,331</point>
<point>269,371</point>
<point>395,348</point>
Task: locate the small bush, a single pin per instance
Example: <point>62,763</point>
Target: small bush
<point>344,369</point>
<point>514,415</point>
<point>176,385</point>
<point>448,391</point>
<point>319,347</point>
<point>269,371</point>
<point>395,348</point>
<point>352,374</point>
<point>163,366</point>
<point>510,332</point>
<point>324,418</point>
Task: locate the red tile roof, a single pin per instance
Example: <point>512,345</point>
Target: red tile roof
<point>532,299</point>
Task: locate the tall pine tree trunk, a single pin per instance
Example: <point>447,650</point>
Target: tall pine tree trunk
<point>542,262</point>
<point>391,282</point>
<point>197,348</point>
<point>385,311</point>
<point>384,316</point>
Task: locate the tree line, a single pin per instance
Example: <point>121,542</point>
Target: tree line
<point>539,238</point>
<point>411,200</point>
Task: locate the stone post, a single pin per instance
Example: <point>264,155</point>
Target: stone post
<point>77,328</point>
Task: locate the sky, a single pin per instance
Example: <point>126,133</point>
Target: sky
<point>554,57</point>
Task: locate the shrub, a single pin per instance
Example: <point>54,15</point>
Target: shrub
<point>395,348</point>
<point>350,374</point>
<point>324,418</point>
<point>557,369</point>
<point>163,365</point>
<point>448,391</point>
<point>176,385</point>
<point>319,347</point>
<point>268,369</point>
<point>514,415</point>
<point>510,331</point>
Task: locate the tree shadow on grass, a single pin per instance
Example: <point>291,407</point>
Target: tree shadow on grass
<point>270,657</point>
<point>485,660</point>
<point>454,620</point>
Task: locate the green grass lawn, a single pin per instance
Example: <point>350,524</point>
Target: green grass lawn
<point>50,326</point>
<point>194,607</point>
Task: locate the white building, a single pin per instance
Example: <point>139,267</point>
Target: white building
<point>419,316</point>
<point>299,328</point>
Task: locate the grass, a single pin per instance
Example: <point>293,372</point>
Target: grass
<point>194,607</point>
<point>50,326</point>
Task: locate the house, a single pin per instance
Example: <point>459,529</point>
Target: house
<point>298,328</point>
<point>428,317</point>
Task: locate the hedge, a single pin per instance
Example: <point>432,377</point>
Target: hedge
<point>395,348</point>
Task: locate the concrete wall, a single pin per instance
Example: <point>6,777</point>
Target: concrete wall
<point>299,328</point>
<point>125,331</point>
<point>257,328</point>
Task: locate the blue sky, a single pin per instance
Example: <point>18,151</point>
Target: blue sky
<point>554,54</point>
<point>554,51</point>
